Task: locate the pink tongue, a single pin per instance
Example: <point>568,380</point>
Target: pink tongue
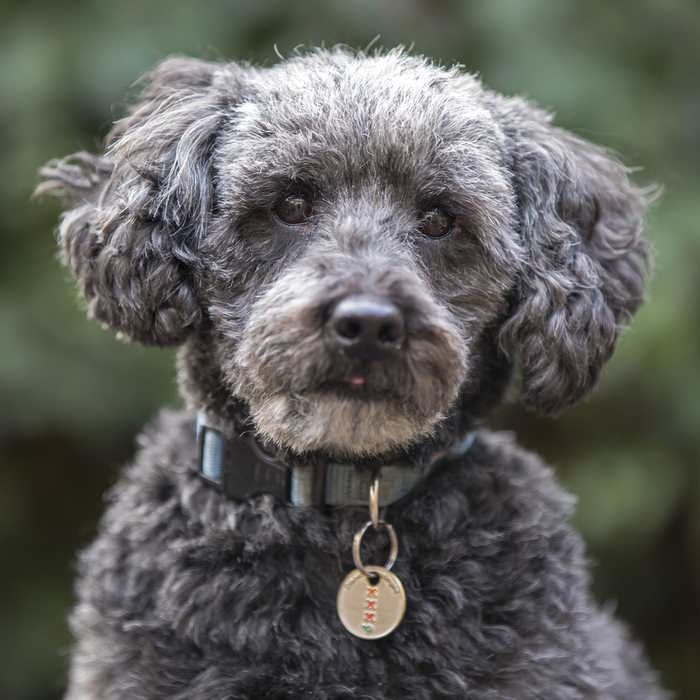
<point>357,381</point>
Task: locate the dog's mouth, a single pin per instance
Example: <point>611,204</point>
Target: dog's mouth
<point>358,386</point>
<point>369,380</point>
<point>360,409</point>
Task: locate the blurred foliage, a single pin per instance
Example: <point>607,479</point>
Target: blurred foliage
<point>623,74</point>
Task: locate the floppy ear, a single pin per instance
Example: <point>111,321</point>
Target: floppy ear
<point>580,222</point>
<point>138,212</point>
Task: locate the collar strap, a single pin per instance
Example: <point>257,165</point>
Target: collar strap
<point>242,469</point>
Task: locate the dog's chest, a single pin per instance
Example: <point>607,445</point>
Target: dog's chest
<point>263,596</point>
<point>230,600</point>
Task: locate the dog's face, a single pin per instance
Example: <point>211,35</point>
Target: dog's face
<point>366,240</point>
<point>341,241</point>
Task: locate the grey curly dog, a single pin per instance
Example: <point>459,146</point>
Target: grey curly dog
<point>358,255</point>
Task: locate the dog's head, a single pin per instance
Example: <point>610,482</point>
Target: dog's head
<point>354,246</point>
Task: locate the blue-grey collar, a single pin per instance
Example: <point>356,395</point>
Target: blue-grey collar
<point>241,468</point>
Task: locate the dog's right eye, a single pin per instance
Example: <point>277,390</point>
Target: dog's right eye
<point>436,223</point>
<point>294,209</point>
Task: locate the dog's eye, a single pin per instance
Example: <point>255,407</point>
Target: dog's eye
<point>436,223</point>
<point>294,209</point>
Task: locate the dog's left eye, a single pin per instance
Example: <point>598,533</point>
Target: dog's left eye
<point>294,209</point>
<point>436,223</point>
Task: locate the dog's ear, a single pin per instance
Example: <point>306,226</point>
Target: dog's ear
<point>580,223</point>
<point>136,214</point>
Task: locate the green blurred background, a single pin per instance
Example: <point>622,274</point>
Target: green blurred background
<point>624,74</point>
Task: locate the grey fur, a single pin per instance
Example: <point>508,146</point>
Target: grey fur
<point>172,238</point>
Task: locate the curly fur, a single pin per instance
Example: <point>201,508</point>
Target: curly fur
<point>581,220</point>
<point>173,239</point>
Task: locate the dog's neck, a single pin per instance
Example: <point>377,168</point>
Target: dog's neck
<point>228,418</point>
<point>235,461</point>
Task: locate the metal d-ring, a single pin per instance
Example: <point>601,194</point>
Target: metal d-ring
<point>357,541</point>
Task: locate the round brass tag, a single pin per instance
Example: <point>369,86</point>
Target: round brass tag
<point>367,610</point>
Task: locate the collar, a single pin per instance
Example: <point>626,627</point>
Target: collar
<point>241,468</point>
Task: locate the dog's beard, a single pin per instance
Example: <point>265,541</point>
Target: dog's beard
<point>396,409</point>
<point>346,427</point>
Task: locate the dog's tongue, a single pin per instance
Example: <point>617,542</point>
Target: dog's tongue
<point>357,380</point>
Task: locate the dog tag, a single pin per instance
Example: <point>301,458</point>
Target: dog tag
<point>371,610</point>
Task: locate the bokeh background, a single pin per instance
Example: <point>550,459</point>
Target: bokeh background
<point>625,74</point>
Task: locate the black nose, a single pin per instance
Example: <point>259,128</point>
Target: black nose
<point>363,324</point>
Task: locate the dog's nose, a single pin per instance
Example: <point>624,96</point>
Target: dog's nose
<point>363,324</point>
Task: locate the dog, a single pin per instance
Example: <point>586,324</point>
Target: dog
<point>359,256</point>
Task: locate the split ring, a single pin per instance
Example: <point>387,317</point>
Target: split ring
<point>357,541</point>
